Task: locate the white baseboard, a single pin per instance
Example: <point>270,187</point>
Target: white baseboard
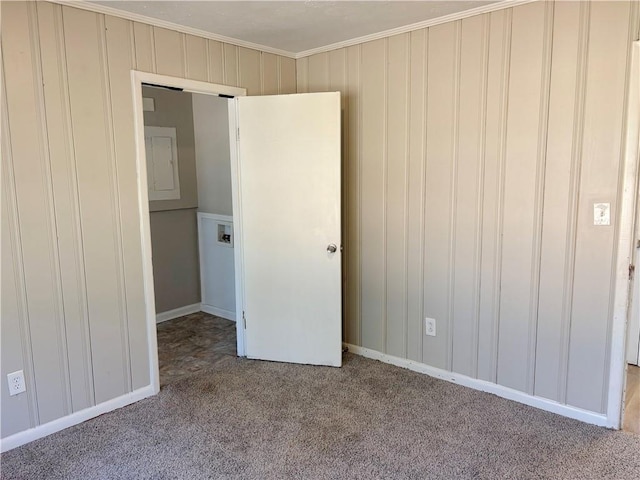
<point>177,312</point>
<point>54,426</point>
<point>218,312</point>
<point>484,386</point>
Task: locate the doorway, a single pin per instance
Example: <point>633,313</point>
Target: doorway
<point>187,319</point>
<point>191,218</point>
<point>630,252</point>
<point>286,197</point>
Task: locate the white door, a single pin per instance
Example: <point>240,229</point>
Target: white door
<point>289,181</point>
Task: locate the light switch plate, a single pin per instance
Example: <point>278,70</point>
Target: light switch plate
<point>602,214</point>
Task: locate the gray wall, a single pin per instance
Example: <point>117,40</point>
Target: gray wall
<point>174,232</point>
<point>173,109</point>
<point>176,268</point>
<point>211,123</point>
<point>73,307</point>
<point>472,162</point>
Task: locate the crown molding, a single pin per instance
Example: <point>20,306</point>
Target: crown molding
<point>492,7</point>
<point>98,8</point>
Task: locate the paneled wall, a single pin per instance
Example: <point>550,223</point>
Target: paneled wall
<point>73,315</point>
<point>473,153</point>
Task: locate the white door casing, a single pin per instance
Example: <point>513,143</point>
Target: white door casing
<point>289,181</point>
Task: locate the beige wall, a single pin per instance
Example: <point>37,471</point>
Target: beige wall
<point>474,151</point>
<point>73,313</point>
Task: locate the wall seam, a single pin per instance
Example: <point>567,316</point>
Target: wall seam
<point>114,194</point>
<point>360,161</point>
<point>18,262</point>
<point>407,166</point>
<point>453,215</point>
<point>207,59</point>
<point>504,115</point>
<point>385,197</point>
<point>423,184</point>
<point>185,55</point>
<point>52,224</point>
<point>541,160</point>
<point>132,35</point>
<point>73,168</point>
<point>154,60</point>
<point>574,195</point>
<point>480,188</point>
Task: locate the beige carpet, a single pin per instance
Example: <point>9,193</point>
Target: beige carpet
<point>262,420</point>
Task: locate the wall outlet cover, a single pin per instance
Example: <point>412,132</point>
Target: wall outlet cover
<point>16,382</point>
<point>430,326</point>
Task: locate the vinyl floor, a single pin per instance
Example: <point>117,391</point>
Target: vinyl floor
<point>189,344</point>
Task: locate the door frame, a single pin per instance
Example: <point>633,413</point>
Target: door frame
<point>625,244</point>
<point>191,86</point>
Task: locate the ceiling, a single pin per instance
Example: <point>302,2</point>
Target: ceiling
<point>295,26</point>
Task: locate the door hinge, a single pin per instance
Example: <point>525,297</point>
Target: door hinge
<point>632,270</point>
<point>244,320</point>
<point>238,134</point>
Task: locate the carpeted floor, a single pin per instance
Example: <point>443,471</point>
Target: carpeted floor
<point>261,420</point>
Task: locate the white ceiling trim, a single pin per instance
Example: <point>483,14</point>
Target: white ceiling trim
<point>98,8</point>
<point>492,7</point>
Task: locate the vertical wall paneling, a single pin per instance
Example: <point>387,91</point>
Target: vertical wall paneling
<point>442,78</point>
<point>352,220</point>
<point>287,75</point>
<point>555,260</point>
<point>92,145</point>
<point>416,191</point>
<point>120,62</point>
<point>250,70</point>
<point>215,62</point>
<point>270,74</point>
<point>603,127</point>
<point>35,209</point>
<point>498,67</point>
<point>372,194</point>
<point>16,348</point>
<point>169,52</point>
<point>302,75</point>
<point>196,58</point>
<point>230,65</point>
<point>112,170</point>
<point>520,207</point>
<point>512,129</point>
<point>397,93</point>
<point>143,36</point>
<point>543,129</point>
<point>338,82</point>
<point>12,354</point>
<point>67,207</point>
<point>319,73</point>
<point>467,216</point>
<point>75,315</point>
<point>576,168</point>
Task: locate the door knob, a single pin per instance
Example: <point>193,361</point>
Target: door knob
<point>331,248</point>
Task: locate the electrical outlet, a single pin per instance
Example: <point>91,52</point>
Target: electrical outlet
<point>430,326</point>
<point>16,382</point>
